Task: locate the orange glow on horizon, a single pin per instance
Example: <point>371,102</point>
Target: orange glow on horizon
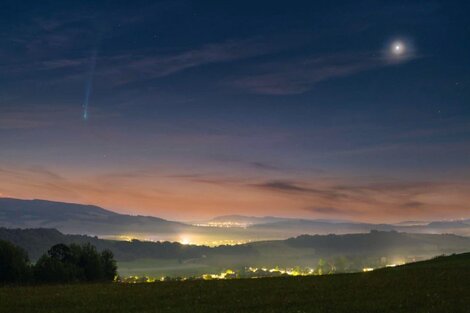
<point>180,198</point>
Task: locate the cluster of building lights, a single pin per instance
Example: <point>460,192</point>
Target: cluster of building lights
<point>213,243</point>
<point>248,272</point>
<point>225,242</point>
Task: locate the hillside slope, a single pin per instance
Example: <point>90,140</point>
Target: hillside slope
<point>437,286</point>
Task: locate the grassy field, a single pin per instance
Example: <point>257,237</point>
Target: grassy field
<point>441,285</point>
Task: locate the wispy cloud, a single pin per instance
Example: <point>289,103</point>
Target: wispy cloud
<point>351,190</point>
<point>331,211</point>
<point>212,179</point>
<point>134,67</point>
<point>140,65</point>
<point>264,166</point>
<point>286,186</point>
<point>300,188</point>
<point>386,197</point>
<point>299,75</point>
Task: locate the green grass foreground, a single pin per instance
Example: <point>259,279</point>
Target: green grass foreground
<point>440,285</point>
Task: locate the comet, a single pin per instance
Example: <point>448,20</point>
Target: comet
<point>89,85</point>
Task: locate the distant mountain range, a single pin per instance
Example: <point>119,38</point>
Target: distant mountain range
<point>255,220</point>
<point>245,220</point>
<point>73,218</point>
<point>79,219</point>
<point>296,226</point>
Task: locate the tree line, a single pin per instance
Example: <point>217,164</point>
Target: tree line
<point>61,264</point>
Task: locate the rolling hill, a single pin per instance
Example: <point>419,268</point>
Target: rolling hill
<point>440,285</point>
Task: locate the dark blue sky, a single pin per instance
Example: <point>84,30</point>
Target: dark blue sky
<point>199,108</point>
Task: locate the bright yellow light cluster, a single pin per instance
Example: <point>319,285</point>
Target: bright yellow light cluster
<point>287,271</point>
<point>224,275</point>
<point>248,272</point>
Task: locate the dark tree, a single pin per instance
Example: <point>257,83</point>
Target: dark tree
<point>58,265</point>
<point>52,270</point>
<point>89,260</point>
<point>14,264</point>
<point>109,265</point>
<point>75,263</point>
<point>61,252</point>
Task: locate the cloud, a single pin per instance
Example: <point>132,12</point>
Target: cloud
<point>264,166</point>
<point>331,211</point>
<point>258,165</point>
<point>284,186</point>
<point>218,180</point>
<point>45,173</point>
<point>299,75</point>
<point>301,188</point>
<point>384,197</point>
<point>40,182</point>
<point>134,67</point>
<point>63,63</point>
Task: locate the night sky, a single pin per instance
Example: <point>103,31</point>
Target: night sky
<point>186,110</point>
